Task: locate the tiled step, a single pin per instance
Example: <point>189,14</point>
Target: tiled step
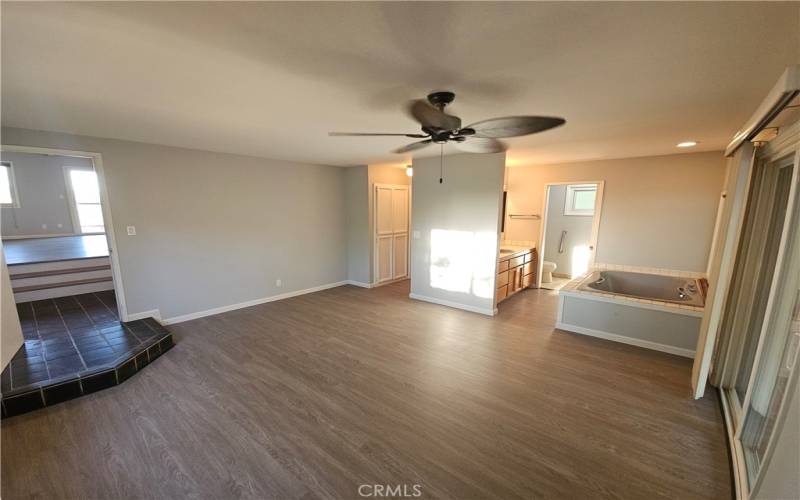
<point>75,346</point>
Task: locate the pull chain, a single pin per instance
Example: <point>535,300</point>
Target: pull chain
<point>441,162</point>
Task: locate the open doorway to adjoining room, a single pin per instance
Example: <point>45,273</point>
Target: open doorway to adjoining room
<point>571,218</point>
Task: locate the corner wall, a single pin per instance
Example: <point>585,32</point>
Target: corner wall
<point>213,229</point>
<point>456,229</point>
<point>658,212</point>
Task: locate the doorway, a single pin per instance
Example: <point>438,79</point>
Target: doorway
<point>568,239</point>
<point>56,227</point>
<point>391,233</point>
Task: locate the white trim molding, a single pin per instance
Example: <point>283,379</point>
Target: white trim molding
<point>359,283</point>
<point>153,313</point>
<point>456,305</point>
<point>686,353</point>
<point>249,303</point>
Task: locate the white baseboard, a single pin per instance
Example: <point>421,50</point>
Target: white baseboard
<point>479,310</point>
<point>678,351</point>
<point>359,283</point>
<point>153,313</point>
<point>249,303</point>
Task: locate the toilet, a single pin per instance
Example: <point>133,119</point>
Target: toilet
<point>547,271</point>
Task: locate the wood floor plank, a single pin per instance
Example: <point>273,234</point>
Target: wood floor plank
<point>312,396</point>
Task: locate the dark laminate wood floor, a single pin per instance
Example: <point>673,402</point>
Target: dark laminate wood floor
<point>312,396</point>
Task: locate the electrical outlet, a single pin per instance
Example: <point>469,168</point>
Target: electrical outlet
<point>131,230</point>
<point>44,226</point>
<point>60,226</point>
<point>278,283</point>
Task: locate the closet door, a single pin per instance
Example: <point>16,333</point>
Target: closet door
<point>391,232</point>
<point>384,234</point>
<point>400,234</point>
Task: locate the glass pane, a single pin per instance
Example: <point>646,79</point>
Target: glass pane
<point>5,185</point>
<point>90,215</point>
<point>779,355</point>
<point>763,279</point>
<point>84,186</point>
<point>584,199</point>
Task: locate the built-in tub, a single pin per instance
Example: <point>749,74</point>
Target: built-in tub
<point>670,289</point>
<point>647,310</point>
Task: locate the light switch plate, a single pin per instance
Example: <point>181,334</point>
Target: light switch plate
<point>416,235</point>
<point>131,230</point>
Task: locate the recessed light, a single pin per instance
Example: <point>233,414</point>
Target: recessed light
<point>687,144</point>
<point>410,171</point>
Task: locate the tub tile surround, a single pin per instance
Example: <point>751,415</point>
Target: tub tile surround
<point>572,286</point>
<point>74,346</point>
<point>649,270</point>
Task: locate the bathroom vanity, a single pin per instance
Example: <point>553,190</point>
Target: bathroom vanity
<point>516,270</point>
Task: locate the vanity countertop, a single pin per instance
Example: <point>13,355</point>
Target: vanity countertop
<point>510,251</point>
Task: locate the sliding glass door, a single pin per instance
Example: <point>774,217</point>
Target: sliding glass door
<point>760,330</point>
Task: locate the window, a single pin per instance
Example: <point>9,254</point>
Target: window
<point>580,199</point>
<point>8,187</point>
<point>86,200</point>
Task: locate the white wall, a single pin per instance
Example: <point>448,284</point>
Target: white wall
<point>454,260</point>
<point>578,228</point>
<point>10,329</point>
<point>214,229</point>
<point>657,211</point>
<point>358,225</point>
<point>41,186</point>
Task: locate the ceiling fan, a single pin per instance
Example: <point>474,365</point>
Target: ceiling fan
<point>439,127</point>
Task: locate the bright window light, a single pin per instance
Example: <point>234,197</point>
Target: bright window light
<point>86,194</point>
<point>580,260</point>
<point>463,261</point>
<point>7,189</point>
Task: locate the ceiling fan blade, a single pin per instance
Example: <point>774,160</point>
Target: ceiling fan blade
<point>429,116</point>
<point>413,146</point>
<point>514,126</point>
<point>480,145</point>
<point>359,134</point>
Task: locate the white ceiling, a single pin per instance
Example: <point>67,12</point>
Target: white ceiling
<point>269,79</point>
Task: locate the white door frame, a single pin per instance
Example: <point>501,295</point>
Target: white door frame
<point>598,206</point>
<point>375,270</point>
<point>97,159</point>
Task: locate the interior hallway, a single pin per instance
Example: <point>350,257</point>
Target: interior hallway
<point>314,395</point>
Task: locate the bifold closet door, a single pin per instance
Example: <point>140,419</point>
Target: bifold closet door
<point>391,232</point>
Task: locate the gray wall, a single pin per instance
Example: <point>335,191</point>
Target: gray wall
<point>578,227</point>
<point>358,227</point>
<point>42,190</point>
<point>213,229</point>
<point>463,214</point>
<point>658,211</point>
<point>10,328</point>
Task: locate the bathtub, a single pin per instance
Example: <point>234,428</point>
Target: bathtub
<point>646,310</point>
<point>646,286</point>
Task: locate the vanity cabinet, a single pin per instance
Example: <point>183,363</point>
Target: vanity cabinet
<point>515,271</point>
